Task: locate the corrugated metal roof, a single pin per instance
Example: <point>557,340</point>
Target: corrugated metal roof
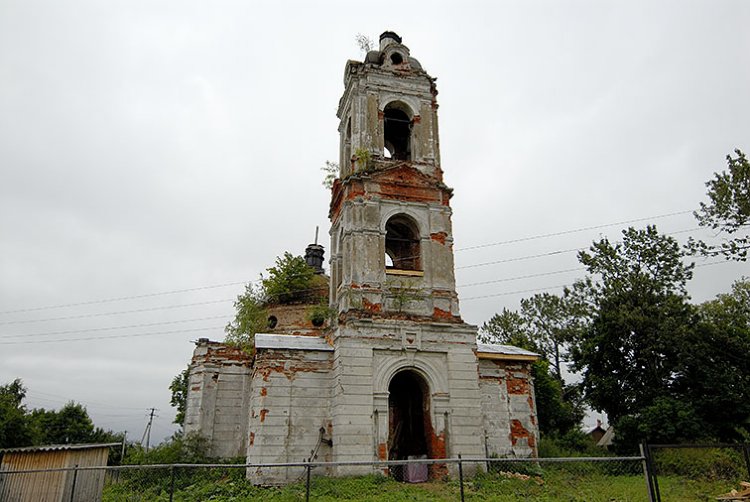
<point>291,342</point>
<point>507,350</point>
<point>58,447</point>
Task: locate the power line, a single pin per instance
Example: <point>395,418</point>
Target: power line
<point>576,230</point>
<point>551,253</point>
<point>33,395</point>
<point>483,283</point>
<point>111,328</point>
<point>122,298</point>
<point>119,312</point>
<point>531,276</point>
<point>151,309</point>
<point>471,298</point>
<point>212,329</point>
<point>509,293</point>
<point>520,258</point>
<point>214,286</point>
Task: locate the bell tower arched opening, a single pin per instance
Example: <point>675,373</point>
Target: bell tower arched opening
<point>402,241</point>
<point>408,419</point>
<point>397,130</point>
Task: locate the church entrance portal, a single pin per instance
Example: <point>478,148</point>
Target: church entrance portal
<point>408,420</point>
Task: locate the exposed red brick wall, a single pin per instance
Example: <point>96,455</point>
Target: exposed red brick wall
<point>435,448</point>
<point>371,307</point>
<point>403,182</point>
<point>219,353</point>
<point>441,314</point>
<point>439,237</point>
<point>518,385</point>
<point>517,431</point>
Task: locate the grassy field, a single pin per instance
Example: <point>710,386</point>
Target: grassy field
<point>555,486</point>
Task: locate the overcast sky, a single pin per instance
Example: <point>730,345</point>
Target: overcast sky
<point>153,146</point>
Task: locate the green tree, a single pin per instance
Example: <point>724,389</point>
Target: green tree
<point>330,173</point>
<point>14,426</point>
<point>554,322</point>
<point>290,280</point>
<point>179,390</point>
<point>727,211</point>
<point>629,353</point>
<point>508,328</point>
<point>70,424</point>
<point>714,370</point>
<point>559,407</point>
<point>250,317</point>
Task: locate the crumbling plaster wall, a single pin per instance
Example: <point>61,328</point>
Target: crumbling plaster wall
<point>508,408</point>
<point>369,90</point>
<point>369,353</point>
<point>289,405</point>
<point>360,273</point>
<point>217,398</point>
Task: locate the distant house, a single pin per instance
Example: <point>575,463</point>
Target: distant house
<point>597,433</point>
<point>53,485</point>
<point>607,438</point>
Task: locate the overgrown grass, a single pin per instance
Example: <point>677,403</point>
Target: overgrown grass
<point>225,485</point>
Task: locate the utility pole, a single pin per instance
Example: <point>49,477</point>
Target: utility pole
<point>122,453</point>
<point>147,432</point>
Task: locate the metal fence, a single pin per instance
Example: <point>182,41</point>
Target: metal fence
<point>712,469</point>
<point>590,479</point>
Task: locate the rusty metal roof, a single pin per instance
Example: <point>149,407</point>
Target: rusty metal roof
<point>57,447</point>
<point>510,352</point>
<point>291,342</point>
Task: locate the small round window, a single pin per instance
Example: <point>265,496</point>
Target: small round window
<point>272,321</point>
<point>397,58</point>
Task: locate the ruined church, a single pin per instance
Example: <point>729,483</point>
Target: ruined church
<point>395,373</point>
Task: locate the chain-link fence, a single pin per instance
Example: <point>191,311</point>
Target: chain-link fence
<point>709,470</point>
<point>589,479</point>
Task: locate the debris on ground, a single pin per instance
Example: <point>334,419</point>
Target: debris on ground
<point>743,494</point>
<point>524,477</point>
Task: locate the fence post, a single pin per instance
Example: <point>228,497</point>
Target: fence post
<point>73,487</point>
<point>461,476</point>
<point>746,454</point>
<point>654,475</point>
<point>647,473</point>
<point>171,483</point>
<point>307,482</point>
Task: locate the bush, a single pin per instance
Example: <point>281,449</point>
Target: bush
<point>574,443</point>
<point>179,449</point>
<point>709,464</point>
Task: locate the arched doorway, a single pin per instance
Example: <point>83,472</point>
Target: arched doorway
<point>408,419</point>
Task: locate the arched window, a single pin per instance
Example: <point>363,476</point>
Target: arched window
<point>347,160</point>
<point>397,131</point>
<point>402,243</point>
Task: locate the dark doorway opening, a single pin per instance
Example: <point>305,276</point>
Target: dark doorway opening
<point>408,414</point>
